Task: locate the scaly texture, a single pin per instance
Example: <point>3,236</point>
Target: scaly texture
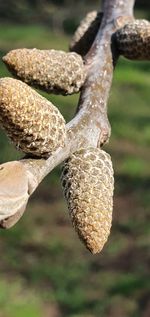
<point>133,40</point>
<point>50,70</point>
<point>88,183</point>
<point>86,32</point>
<point>33,123</point>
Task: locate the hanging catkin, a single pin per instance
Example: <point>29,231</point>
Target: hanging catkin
<point>87,180</point>
<point>32,122</point>
<point>50,70</point>
<point>133,40</point>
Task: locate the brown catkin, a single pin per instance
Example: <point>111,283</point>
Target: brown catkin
<point>133,40</point>
<point>87,180</point>
<point>33,123</point>
<point>86,32</point>
<point>50,70</point>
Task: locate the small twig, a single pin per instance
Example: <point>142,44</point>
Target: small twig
<point>89,127</point>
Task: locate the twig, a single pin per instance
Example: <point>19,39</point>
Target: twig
<point>89,127</point>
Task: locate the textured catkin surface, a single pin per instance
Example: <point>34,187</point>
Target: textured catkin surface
<point>33,124</point>
<point>50,70</point>
<point>133,40</point>
<point>87,180</point>
<point>86,32</point>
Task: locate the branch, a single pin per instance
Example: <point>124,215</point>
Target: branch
<point>89,127</point>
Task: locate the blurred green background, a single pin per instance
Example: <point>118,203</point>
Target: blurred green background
<point>45,271</point>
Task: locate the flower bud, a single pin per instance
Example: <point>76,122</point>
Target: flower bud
<point>33,123</point>
<point>50,70</point>
<point>86,32</point>
<point>87,180</point>
<point>133,40</point>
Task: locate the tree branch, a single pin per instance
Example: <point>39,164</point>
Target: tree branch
<point>89,127</point>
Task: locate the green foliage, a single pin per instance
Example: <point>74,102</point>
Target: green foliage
<point>12,36</point>
<point>15,301</point>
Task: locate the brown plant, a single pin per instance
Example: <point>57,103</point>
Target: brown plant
<point>98,42</point>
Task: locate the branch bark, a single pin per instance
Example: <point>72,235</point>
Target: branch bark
<point>89,127</point>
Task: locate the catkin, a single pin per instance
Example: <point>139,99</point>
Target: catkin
<point>33,123</point>
<point>133,40</point>
<point>86,32</point>
<point>87,180</point>
<point>50,70</point>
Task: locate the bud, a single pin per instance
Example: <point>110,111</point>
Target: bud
<point>87,180</point>
<point>14,192</point>
<point>33,123</point>
<point>50,70</point>
<point>86,32</point>
<point>133,40</point>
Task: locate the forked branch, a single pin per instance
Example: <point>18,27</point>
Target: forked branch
<point>90,127</point>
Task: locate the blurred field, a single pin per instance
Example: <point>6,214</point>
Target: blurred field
<point>45,271</point>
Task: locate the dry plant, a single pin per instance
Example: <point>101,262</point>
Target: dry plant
<point>37,128</point>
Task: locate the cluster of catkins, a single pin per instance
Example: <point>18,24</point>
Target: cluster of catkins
<point>37,128</point>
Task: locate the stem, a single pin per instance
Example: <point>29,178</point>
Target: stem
<point>115,8</point>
